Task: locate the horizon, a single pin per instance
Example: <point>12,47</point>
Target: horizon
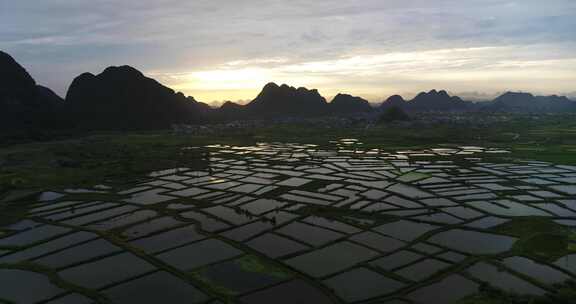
<point>476,97</point>
<point>229,50</point>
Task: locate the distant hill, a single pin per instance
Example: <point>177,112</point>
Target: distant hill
<point>433,100</point>
<point>344,104</point>
<point>437,101</point>
<point>232,107</point>
<point>286,101</point>
<point>228,111</point>
<point>526,102</point>
<point>123,98</point>
<point>23,103</point>
<point>393,101</point>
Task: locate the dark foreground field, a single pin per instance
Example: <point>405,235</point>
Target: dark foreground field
<point>293,214</point>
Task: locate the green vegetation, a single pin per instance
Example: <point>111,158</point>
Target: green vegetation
<point>412,177</point>
<point>222,291</point>
<point>93,159</point>
<point>394,114</point>
<point>502,298</point>
<point>540,238</point>
<point>252,263</point>
<point>248,263</point>
<point>11,214</point>
<point>113,157</point>
<point>564,294</point>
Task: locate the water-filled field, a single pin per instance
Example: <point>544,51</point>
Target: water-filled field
<point>293,223</point>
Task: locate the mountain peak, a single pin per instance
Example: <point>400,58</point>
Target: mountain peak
<point>515,98</point>
<point>270,86</point>
<point>526,102</point>
<point>437,101</point>
<point>22,102</point>
<point>443,93</point>
<point>342,95</point>
<point>393,101</point>
<point>128,99</point>
<point>84,77</point>
<point>274,101</point>
<point>517,95</point>
<point>122,71</point>
<point>347,104</point>
<point>230,105</point>
<point>12,75</point>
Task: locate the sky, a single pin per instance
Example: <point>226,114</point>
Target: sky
<point>217,50</point>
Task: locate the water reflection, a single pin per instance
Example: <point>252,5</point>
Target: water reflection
<point>294,223</point>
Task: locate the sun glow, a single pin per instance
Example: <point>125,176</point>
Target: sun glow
<point>377,75</point>
<point>230,78</point>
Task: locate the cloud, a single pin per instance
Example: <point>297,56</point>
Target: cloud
<point>493,69</point>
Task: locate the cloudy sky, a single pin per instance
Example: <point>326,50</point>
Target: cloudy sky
<point>219,50</point>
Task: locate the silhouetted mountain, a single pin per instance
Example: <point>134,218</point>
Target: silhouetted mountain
<point>393,101</point>
<point>14,79</point>
<point>286,101</point>
<point>229,111</point>
<point>22,102</point>
<point>201,109</point>
<point>123,98</point>
<point>344,104</point>
<point>437,101</point>
<point>231,106</point>
<point>526,102</point>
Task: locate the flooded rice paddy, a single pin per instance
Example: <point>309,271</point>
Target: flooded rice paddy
<point>289,223</point>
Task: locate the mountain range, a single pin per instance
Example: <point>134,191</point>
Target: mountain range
<point>123,98</point>
<point>510,102</point>
<point>526,102</point>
